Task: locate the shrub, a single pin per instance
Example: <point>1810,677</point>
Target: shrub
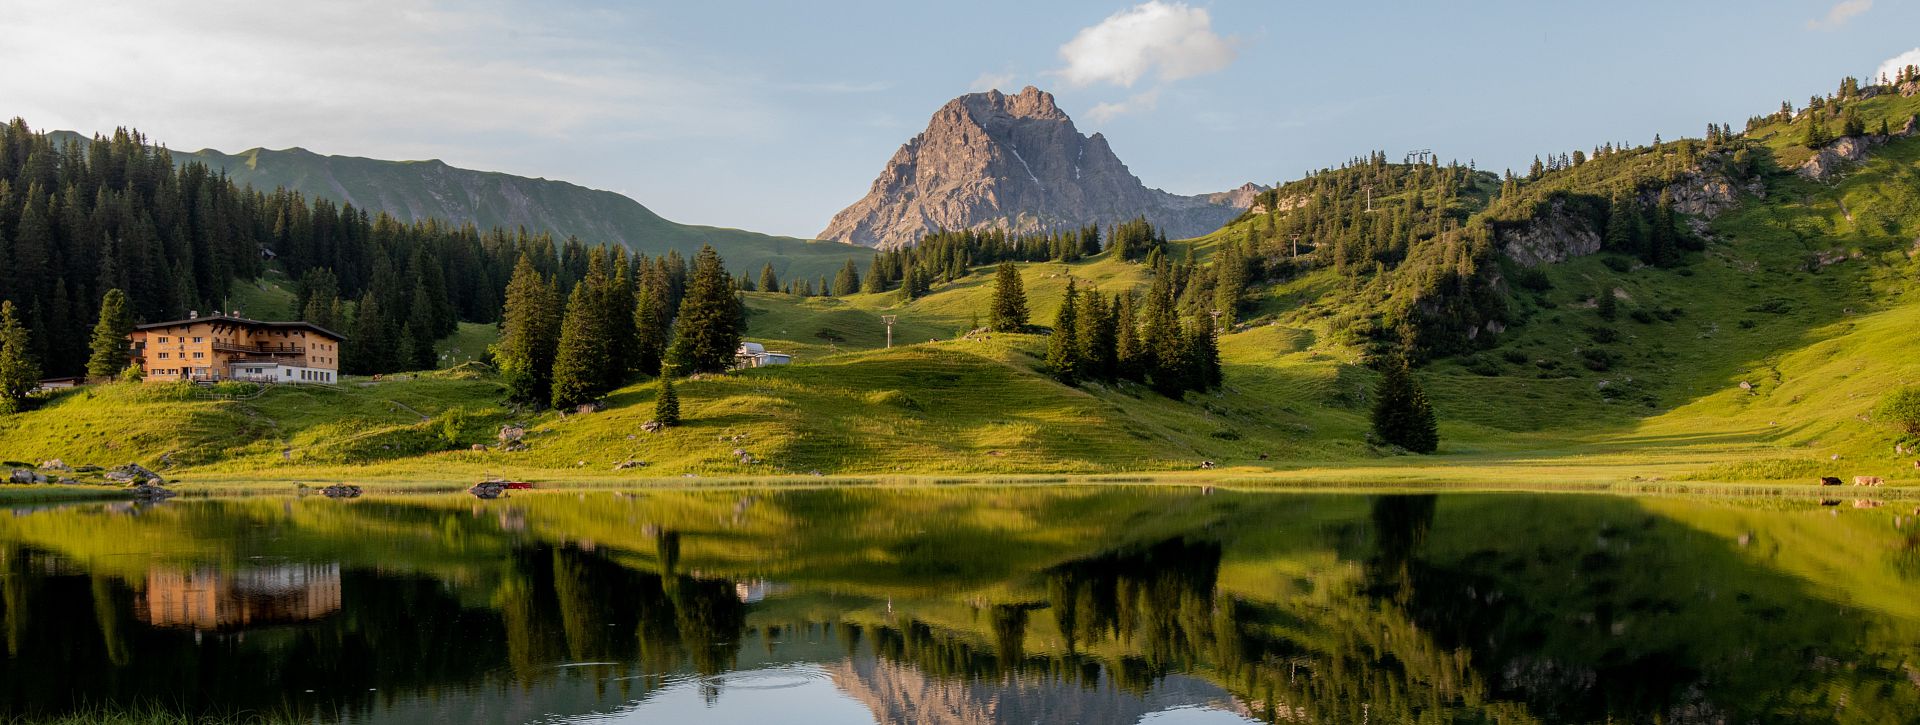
<point>1597,359</point>
<point>1617,263</point>
<point>1483,365</point>
<point>1516,357</point>
<point>1603,335</point>
<point>1902,409</point>
<point>1533,279</point>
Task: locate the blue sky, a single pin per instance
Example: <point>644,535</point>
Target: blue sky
<point>773,115</point>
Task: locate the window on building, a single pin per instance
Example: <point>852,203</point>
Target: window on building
<point>163,356</point>
<point>163,339</point>
<point>199,339</point>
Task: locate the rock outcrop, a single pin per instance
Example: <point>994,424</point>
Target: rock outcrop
<point>1835,156</point>
<point>994,161</point>
<point>1554,236</point>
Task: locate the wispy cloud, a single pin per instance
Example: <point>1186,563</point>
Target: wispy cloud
<point>1839,14</point>
<point>847,87</point>
<point>1103,112</point>
<point>1168,40</point>
<point>1891,68</point>
<point>991,80</point>
<point>389,77</point>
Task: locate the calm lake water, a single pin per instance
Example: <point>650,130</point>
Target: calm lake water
<point>1169,606</point>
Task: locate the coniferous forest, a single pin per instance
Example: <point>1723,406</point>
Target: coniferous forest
<point>78,220</point>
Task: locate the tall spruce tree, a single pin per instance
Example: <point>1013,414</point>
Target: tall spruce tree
<point>529,335</point>
<point>373,347</point>
<point>585,353</point>
<point>19,374</point>
<point>1098,353</point>
<point>1162,345</point>
<point>706,333</point>
<point>876,281</point>
<point>769,282</point>
<point>666,406</point>
<point>1402,416</point>
<point>1129,357</point>
<point>651,325</point>
<point>1063,346</point>
<point>847,281</point>
<point>1009,300</point>
<point>111,346</point>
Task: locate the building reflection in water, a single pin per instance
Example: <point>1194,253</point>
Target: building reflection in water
<point>210,600</point>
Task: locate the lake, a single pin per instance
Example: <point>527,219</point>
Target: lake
<point>967,604</point>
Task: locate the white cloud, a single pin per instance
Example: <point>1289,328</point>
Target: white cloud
<point>991,80</point>
<point>1839,14</point>
<point>393,78</point>
<point>1170,41</point>
<point>1891,68</point>
<point>1103,112</point>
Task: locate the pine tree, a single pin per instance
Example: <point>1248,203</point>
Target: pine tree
<point>1063,346</point>
<point>1203,351</point>
<point>1129,357</point>
<point>876,281</point>
<point>19,374</point>
<point>1096,336</point>
<point>1623,226</point>
<point>580,363</point>
<point>622,327</point>
<point>768,280</point>
<point>111,344</point>
<point>1402,416</point>
<point>666,406</point>
<point>1663,245</point>
<point>706,333</point>
<point>529,336</point>
<point>652,325</point>
<point>372,351</point>
<point>1009,300</point>
<point>1853,124</point>
<point>1162,345</point>
<point>847,282</point>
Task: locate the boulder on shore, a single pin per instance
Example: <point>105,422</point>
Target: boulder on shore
<point>341,490</point>
<point>488,490</point>
<point>150,492</point>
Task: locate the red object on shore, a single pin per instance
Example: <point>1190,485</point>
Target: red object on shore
<point>517,485</point>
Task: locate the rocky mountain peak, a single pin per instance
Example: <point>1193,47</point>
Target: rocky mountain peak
<point>1013,162</point>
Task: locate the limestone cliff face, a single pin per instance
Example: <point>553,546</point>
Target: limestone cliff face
<point>994,161</point>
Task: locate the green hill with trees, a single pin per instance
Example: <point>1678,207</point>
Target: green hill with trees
<point>1732,308</point>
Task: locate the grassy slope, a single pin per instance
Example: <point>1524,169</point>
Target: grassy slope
<point>415,190</point>
<point>430,189</point>
<point>1818,344</point>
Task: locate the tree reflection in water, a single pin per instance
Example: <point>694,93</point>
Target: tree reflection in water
<point>1402,608</point>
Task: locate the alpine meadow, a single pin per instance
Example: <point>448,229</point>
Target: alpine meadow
<point>1522,404</point>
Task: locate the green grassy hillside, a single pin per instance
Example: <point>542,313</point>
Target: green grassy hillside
<point>418,190</point>
<point>1803,291</point>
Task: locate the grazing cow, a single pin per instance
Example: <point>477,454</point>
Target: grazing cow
<point>1829,481</point>
<point>1868,481</point>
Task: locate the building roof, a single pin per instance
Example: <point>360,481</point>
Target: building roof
<point>229,319</point>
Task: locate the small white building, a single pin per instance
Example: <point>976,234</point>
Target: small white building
<point>755,355</point>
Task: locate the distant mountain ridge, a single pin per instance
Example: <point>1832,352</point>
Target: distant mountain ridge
<point>994,161</point>
<point>416,190</point>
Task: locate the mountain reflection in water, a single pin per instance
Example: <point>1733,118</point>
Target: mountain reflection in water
<point>967,605</point>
